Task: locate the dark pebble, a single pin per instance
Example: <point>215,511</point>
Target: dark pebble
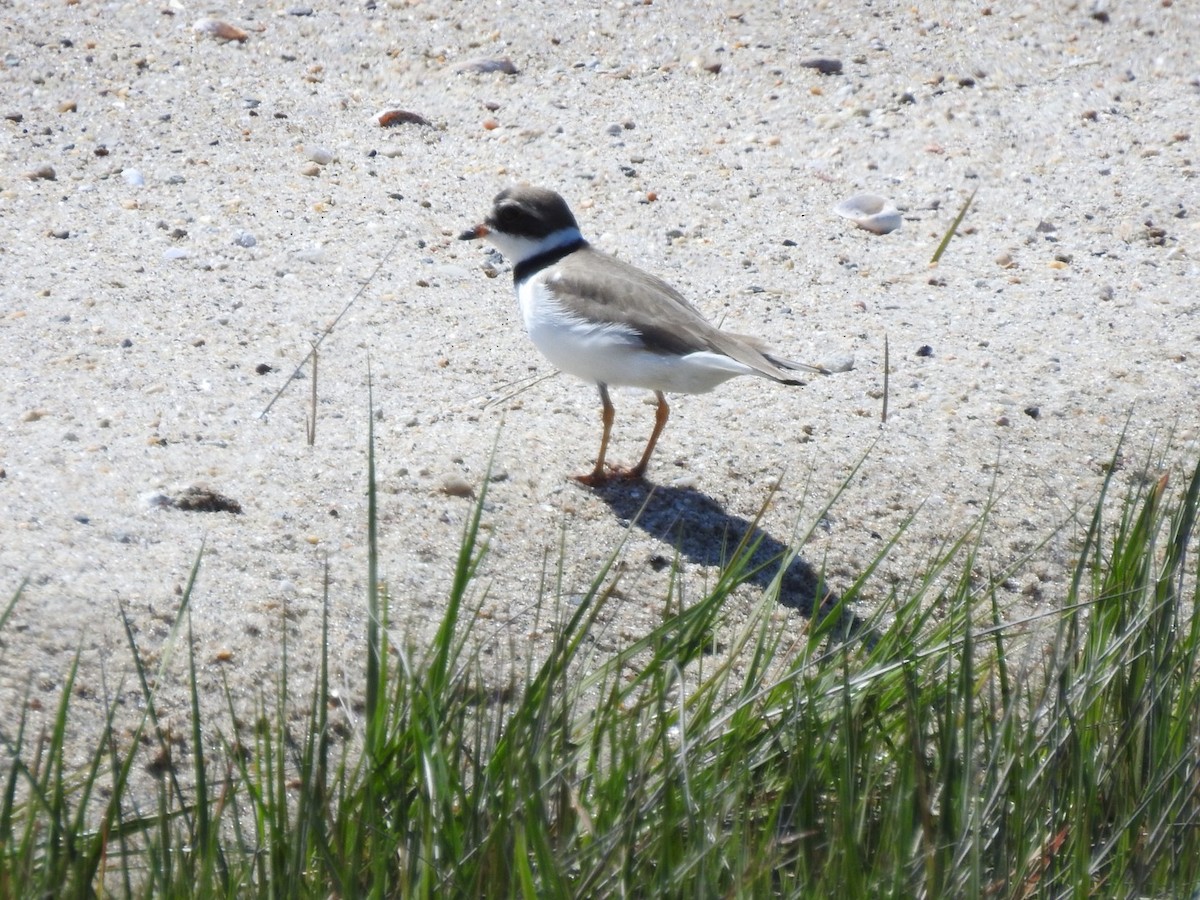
<point>200,499</point>
<point>823,64</point>
<point>1033,412</point>
<point>395,117</point>
<point>925,350</point>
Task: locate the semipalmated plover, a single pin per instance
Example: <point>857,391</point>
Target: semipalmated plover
<point>607,322</point>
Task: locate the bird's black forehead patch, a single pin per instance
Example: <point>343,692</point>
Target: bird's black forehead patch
<point>529,212</point>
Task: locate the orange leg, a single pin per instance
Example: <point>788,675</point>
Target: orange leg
<point>660,422</point>
<point>598,475</point>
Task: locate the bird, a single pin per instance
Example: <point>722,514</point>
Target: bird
<point>603,320</point>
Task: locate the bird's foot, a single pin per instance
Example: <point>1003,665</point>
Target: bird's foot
<point>599,477</point>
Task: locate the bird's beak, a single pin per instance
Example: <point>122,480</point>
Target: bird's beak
<point>473,234</point>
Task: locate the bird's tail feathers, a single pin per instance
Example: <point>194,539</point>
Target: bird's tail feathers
<point>792,366</point>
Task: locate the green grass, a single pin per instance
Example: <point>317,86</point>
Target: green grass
<point>944,752</point>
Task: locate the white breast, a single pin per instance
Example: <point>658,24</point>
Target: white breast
<point>606,353</point>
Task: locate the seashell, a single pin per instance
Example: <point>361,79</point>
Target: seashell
<point>484,65</point>
<point>870,212</point>
<point>222,31</point>
<point>393,117</point>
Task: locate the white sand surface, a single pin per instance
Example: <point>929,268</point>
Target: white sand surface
<point>188,240</point>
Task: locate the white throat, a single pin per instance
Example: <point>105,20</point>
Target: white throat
<point>517,248</point>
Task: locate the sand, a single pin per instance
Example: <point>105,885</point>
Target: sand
<point>216,204</point>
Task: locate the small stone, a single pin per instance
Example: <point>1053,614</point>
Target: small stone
<point>1033,412</point>
<point>925,351</point>
<point>244,239</point>
<point>455,486</point>
<point>61,233</point>
<point>311,170</point>
<point>14,116</point>
<point>44,172</point>
<point>484,66</point>
<point>1003,421</point>
<point>614,129</point>
<point>68,106</point>
<point>840,362</point>
<point>203,499</point>
<point>133,177</point>
<point>222,31</point>
<point>322,156</point>
<point>300,11</point>
<point>823,64</point>
<point>392,117</point>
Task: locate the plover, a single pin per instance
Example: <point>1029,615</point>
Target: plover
<point>605,321</point>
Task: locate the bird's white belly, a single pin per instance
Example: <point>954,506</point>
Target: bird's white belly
<point>614,354</point>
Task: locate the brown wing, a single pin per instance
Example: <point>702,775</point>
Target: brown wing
<point>605,289</point>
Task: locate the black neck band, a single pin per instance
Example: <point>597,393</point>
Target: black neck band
<point>525,268</point>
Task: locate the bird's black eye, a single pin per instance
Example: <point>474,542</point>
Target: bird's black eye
<point>509,217</point>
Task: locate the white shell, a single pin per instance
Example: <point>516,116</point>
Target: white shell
<point>870,211</point>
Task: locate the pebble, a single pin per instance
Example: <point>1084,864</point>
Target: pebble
<point>244,239</point>
<point>842,362</point>
<point>176,253</point>
<point>870,212</point>
<point>322,156</point>
<point>300,11</point>
<point>485,65</point>
<point>222,31</point>
<point>44,172</point>
<point>824,64</point>
<point>456,486</point>
<point>60,233</point>
<point>391,117</point>
<point>311,170</point>
<point>133,177</point>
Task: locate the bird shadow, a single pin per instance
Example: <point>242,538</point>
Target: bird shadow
<point>696,526</point>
